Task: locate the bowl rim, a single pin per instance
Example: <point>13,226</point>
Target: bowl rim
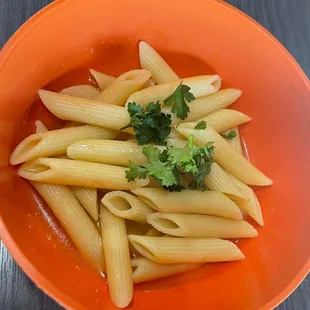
<point>25,264</point>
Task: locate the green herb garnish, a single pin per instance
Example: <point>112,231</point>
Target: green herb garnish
<point>178,99</point>
<point>151,125</point>
<point>230,135</point>
<point>201,125</point>
<point>171,166</point>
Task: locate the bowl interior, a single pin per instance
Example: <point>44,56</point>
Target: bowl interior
<point>58,46</point>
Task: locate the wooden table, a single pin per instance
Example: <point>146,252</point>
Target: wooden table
<point>288,20</point>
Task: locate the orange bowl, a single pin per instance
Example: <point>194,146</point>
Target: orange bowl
<point>68,37</point>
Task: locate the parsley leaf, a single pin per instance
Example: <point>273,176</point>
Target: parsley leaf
<point>163,171</point>
<point>178,100</point>
<point>230,135</point>
<point>151,125</point>
<point>201,125</point>
<point>174,166</point>
<point>135,171</point>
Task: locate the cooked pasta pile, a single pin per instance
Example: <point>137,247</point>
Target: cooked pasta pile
<point>176,182</point>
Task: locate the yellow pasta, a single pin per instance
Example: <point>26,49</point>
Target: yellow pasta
<point>103,80</point>
<point>171,250</point>
<point>200,86</point>
<point>219,180</point>
<point>127,206</point>
<point>208,104</point>
<point>146,270</point>
<point>55,142</point>
<point>225,155</point>
<point>236,141</point>
<point>152,61</point>
<point>118,92</point>
<point>84,91</point>
<point>84,110</point>
<point>40,127</point>
<point>152,232</point>
<point>149,83</point>
<point>224,119</point>
<point>78,173</point>
<point>251,206</point>
<point>175,135</point>
<point>74,220</point>
<point>87,196</point>
<point>107,151</point>
<point>189,201</point>
<point>117,257</point>
<point>197,225</point>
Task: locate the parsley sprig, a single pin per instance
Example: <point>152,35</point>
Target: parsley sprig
<point>151,125</point>
<point>231,135</point>
<point>171,167</point>
<point>178,99</point>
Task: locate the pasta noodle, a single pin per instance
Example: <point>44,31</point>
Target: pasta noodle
<point>118,91</point>
<point>200,86</point>
<point>126,206</point>
<point>74,220</point>
<point>152,61</point>
<point>78,173</point>
<point>146,270</point>
<point>224,119</point>
<point>208,104</point>
<point>251,206</point>
<point>117,257</point>
<point>84,91</point>
<point>40,127</point>
<point>196,225</point>
<point>85,110</point>
<point>189,201</point>
<point>226,155</point>
<point>171,250</point>
<point>107,151</point>
<point>102,80</point>
<point>219,180</point>
<point>55,142</point>
<point>87,196</point>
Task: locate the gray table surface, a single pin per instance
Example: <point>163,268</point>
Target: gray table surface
<point>287,20</point>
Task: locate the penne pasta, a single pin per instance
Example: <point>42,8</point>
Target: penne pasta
<point>85,110</point>
<point>218,180</point>
<point>146,270</point>
<point>208,104</point>
<point>55,142</point>
<point>200,86</point>
<point>137,228</point>
<point>152,232</point>
<point>84,91</point>
<point>189,201</point>
<point>225,155</point>
<point>236,141</point>
<point>40,127</point>
<point>251,206</point>
<point>127,206</point>
<point>224,119</point>
<point>200,226</point>
<point>153,62</point>
<point>107,151</point>
<point>102,80</point>
<point>74,220</point>
<point>72,124</point>
<point>78,173</point>
<point>175,135</point>
<point>148,83</point>
<point>87,196</point>
<point>171,250</point>
<point>117,257</point>
<point>118,92</point>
